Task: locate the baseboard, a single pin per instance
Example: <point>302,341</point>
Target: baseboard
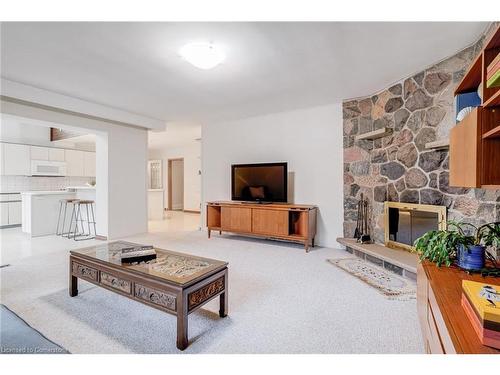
<point>192,211</point>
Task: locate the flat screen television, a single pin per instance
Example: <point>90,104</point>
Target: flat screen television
<point>265,182</point>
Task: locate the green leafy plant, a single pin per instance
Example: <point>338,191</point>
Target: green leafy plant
<point>440,246</point>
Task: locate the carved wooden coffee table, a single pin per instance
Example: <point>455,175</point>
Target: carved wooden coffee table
<point>175,283</point>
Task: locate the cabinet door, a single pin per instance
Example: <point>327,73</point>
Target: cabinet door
<point>75,161</point>
<point>4,213</point>
<point>15,213</point>
<point>236,219</point>
<point>56,154</point>
<point>16,159</point>
<point>272,222</point>
<point>89,164</point>
<point>39,153</point>
<point>465,139</point>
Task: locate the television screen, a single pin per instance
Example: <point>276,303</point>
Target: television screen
<point>259,182</point>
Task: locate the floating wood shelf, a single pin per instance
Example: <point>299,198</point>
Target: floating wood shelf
<point>493,133</point>
<point>375,134</point>
<point>441,143</point>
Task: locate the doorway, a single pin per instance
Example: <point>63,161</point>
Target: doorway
<point>176,184</point>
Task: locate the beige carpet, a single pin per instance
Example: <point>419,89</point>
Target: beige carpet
<point>281,300</point>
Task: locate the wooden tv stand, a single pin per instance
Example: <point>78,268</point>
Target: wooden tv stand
<point>281,221</point>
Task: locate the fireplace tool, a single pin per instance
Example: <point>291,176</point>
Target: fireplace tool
<point>361,231</point>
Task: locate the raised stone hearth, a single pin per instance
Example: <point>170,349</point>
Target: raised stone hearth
<point>398,167</point>
<point>400,262</point>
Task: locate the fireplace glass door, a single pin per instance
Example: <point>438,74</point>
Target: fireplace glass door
<point>405,226</point>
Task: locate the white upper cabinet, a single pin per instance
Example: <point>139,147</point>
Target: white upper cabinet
<point>75,163</point>
<point>15,159</point>
<point>56,154</point>
<point>89,164</point>
<point>39,153</point>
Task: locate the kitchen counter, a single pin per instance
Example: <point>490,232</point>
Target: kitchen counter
<point>46,192</point>
<point>80,187</point>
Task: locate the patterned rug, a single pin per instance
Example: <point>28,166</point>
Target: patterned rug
<point>388,283</point>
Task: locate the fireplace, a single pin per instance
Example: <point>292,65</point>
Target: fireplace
<point>405,222</point>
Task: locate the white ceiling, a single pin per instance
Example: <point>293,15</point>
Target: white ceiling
<point>270,67</point>
<point>176,135</point>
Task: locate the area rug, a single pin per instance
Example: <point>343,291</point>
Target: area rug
<point>387,283</point>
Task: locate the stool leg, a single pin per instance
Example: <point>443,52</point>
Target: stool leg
<point>93,219</point>
<point>71,221</point>
<point>88,220</point>
<point>59,218</point>
<point>64,218</point>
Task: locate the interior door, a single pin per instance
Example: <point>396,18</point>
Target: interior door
<point>272,222</point>
<point>236,219</point>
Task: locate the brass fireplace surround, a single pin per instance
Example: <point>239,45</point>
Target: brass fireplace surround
<point>440,210</point>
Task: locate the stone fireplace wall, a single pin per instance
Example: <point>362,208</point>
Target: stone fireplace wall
<point>397,167</point>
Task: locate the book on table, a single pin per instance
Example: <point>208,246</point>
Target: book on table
<point>481,303</point>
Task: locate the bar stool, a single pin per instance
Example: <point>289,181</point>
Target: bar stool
<point>89,210</point>
<point>63,205</point>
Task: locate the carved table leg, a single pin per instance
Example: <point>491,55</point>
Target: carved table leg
<point>73,286</point>
<point>182,324</point>
<point>223,305</point>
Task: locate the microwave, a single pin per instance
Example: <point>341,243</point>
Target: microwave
<point>48,168</point>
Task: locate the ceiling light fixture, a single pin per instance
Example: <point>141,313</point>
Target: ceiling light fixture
<point>203,55</point>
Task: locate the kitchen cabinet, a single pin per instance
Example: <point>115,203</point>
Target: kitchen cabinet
<point>15,211</point>
<point>56,154</point>
<point>15,159</point>
<point>89,164</point>
<point>39,153</point>
<point>4,213</point>
<point>75,161</point>
<point>11,209</point>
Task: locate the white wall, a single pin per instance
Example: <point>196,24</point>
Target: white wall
<point>310,140</point>
<point>121,154</point>
<point>177,184</point>
<point>190,152</point>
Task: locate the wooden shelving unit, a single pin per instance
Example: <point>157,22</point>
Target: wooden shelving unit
<point>493,133</point>
<point>475,141</point>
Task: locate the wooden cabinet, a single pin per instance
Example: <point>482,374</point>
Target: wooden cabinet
<point>445,327</point>
<point>89,164</point>
<point>236,219</point>
<point>465,150</point>
<point>295,223</point>
<point>272,222</point>
<point>75,163</point>
<point>475,141</point>
<point>15,159</point>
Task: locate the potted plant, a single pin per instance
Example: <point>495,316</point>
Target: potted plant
<point>467,247</point>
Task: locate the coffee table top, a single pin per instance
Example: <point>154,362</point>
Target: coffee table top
<point>174,267</point>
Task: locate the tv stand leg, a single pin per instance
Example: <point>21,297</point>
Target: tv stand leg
<point>306,246</point>
<point>312,242</point>
<point>220,233</point>
<point>208,233</point>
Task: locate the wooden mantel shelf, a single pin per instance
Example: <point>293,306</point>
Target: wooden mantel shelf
<point>375,134</point>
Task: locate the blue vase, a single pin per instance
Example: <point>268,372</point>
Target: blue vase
<point>471,257</point>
